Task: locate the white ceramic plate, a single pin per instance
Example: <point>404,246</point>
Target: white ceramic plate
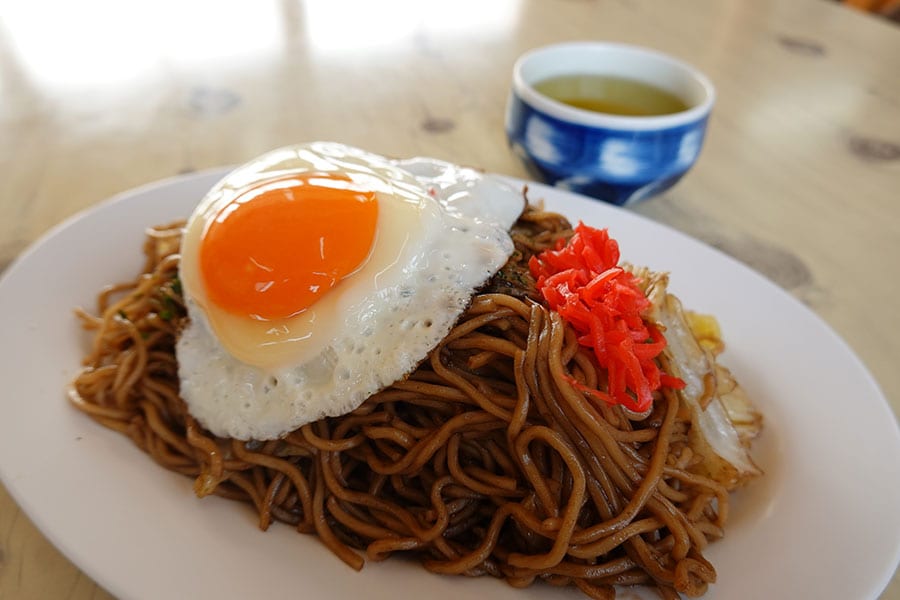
<point>824,523</point>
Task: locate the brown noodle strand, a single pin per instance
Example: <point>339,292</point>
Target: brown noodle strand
<point>486,460</point>
<point>323,529</point>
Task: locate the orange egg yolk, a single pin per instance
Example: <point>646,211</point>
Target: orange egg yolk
<point>276,248</point>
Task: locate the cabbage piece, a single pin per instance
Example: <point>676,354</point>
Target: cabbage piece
<point>722,416</point>
<point>737,404</point>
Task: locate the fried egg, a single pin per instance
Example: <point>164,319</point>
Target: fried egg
<point>318,274</point>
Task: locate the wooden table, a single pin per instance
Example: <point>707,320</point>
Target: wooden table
<point>800,177</point>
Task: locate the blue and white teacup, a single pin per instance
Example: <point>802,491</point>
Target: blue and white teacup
<point>618,159</point>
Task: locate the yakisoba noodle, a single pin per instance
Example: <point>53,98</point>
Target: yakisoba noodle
<point>484,461</point>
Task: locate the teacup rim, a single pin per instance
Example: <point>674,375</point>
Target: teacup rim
<point>571,114</point>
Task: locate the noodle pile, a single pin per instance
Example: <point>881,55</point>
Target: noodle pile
<point>486,460</point>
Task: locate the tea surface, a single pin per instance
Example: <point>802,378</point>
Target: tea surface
<point>611,95</point>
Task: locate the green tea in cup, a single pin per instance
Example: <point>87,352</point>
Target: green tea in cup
<point>611,95</point>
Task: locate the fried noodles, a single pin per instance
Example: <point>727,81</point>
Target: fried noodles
<point>486,460</point>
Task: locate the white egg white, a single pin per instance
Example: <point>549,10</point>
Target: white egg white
<point>250,380</point>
